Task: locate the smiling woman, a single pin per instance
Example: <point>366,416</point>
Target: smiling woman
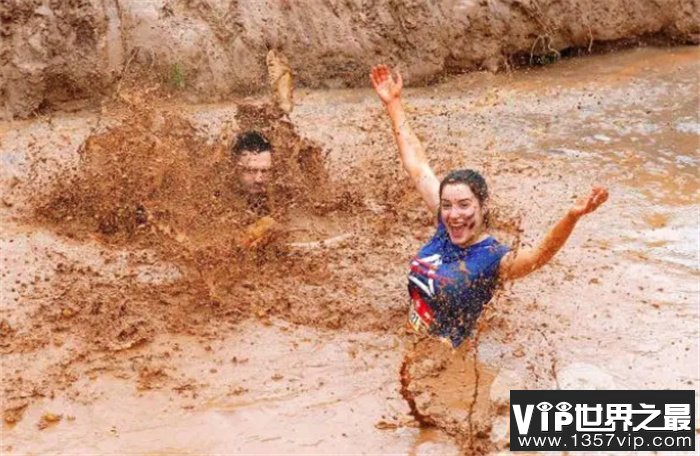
<point>454,275</point>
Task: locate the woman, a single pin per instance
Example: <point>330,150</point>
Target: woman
<point>455,274</point>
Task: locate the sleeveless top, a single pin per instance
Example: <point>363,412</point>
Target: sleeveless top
<point>449,285</point>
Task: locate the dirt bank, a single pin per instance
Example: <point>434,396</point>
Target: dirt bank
<point>55,52</point>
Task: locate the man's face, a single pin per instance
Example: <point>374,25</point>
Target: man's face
<point>255,169</point>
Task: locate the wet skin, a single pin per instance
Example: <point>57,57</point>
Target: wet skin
<point>255,170</point>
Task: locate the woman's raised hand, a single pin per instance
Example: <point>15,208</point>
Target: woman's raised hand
<point>385,84</point>
<point>590,203</point>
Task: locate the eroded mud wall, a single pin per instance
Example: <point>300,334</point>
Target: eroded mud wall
<point>54,51</point>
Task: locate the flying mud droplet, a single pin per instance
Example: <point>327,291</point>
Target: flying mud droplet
<point>49,419</point>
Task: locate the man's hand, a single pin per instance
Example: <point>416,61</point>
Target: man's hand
<point>258,233</point>
<point>590,203</point>
<point>385,84</point>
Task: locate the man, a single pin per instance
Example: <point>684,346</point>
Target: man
<point>252,155</point>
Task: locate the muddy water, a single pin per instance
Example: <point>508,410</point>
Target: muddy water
<point>618,308</point>
<point>266,389</point>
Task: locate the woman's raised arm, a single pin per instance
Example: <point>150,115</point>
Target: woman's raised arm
<point>521,263</point>
<point>411,150</point>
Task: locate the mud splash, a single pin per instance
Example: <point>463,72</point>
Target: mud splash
<point>153,174</point>
<point>406,380</point>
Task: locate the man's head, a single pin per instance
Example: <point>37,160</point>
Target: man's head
<point>252,155</point>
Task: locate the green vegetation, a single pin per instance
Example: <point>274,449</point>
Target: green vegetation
<point>545,59</point>
<point>177,76</point>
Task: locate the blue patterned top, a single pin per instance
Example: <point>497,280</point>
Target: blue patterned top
<point>449,285</point>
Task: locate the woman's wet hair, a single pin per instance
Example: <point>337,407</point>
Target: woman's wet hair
<point>473,179</point>
<point>251,141</point>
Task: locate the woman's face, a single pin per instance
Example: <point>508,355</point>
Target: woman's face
<point>461,213</point>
